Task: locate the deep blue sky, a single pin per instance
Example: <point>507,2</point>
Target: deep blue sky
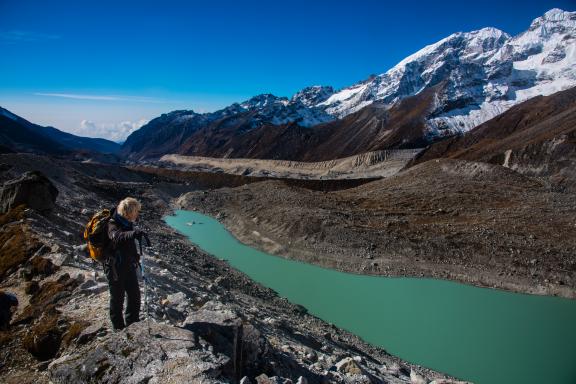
<point>148,57</point>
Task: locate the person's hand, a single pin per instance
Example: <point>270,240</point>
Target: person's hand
<point>147,239</point>
<point>138,234</point>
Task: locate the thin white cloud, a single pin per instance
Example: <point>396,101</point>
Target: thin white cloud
<point>138,99</point>
<point>117,131</point>
<point>19,36</point>
<point>87,125</point>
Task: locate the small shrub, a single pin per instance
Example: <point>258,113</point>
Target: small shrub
<point>44,339</point>
<point>17,245</point>
<point>73,332</point>
<point>47,297</point>
<point>41,266</point>
<point>31,287</point>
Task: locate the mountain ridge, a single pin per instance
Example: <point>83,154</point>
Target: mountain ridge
<point>536,138</point>
<point>19,135</point>
<point>477,75</point>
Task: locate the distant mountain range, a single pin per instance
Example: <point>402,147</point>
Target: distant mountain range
<point>442,91</point>
<point>445,89</point>
<point>20,135</point>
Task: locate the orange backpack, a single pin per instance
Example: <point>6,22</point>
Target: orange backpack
<point>96,234</point>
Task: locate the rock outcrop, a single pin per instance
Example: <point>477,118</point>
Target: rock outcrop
<point>145,352</point>
<point>33,189</point>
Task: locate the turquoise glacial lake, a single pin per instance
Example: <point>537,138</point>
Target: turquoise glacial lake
<point>486,336</point>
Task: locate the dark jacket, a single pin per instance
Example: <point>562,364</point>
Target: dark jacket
<point>121,271</point>
<point>122,250</point>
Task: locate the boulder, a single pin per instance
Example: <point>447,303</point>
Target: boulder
<point>80,278</point>
<point>89,333</point>
<point>232,336</point>
<point>221,328</point>
<point>176,306</point>
<point>33,189</point>
<point>222,281</point>
<point>212,321</point>
<point>416,378</point>
<point>88,284</point>
<point>177,300</point>
<point>95,289</point>
<point>138,354</point>
<point>59,259</point>
<point>264,379</point>
<point>348,366</point>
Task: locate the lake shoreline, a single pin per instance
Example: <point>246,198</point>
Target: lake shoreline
<point>250,232</point>
<point>443,316</point>
<point>472,277</point>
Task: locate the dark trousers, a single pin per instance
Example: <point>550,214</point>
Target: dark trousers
<point>126,285</point>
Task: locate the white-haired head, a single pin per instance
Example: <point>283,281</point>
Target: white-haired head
<point>129,208</point>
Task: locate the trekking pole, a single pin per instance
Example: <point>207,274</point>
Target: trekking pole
<point>144,280</point>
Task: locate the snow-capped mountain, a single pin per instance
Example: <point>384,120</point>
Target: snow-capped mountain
<point>311,96</point>
<point>453,58</point>
<point>173,132</point>
<point>485,73</point>
<point>446,88</point>
<point>281,110</point>
<point>267,109</point>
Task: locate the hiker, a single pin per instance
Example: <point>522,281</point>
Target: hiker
<point>121,267</point>
<point>7,301</point>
